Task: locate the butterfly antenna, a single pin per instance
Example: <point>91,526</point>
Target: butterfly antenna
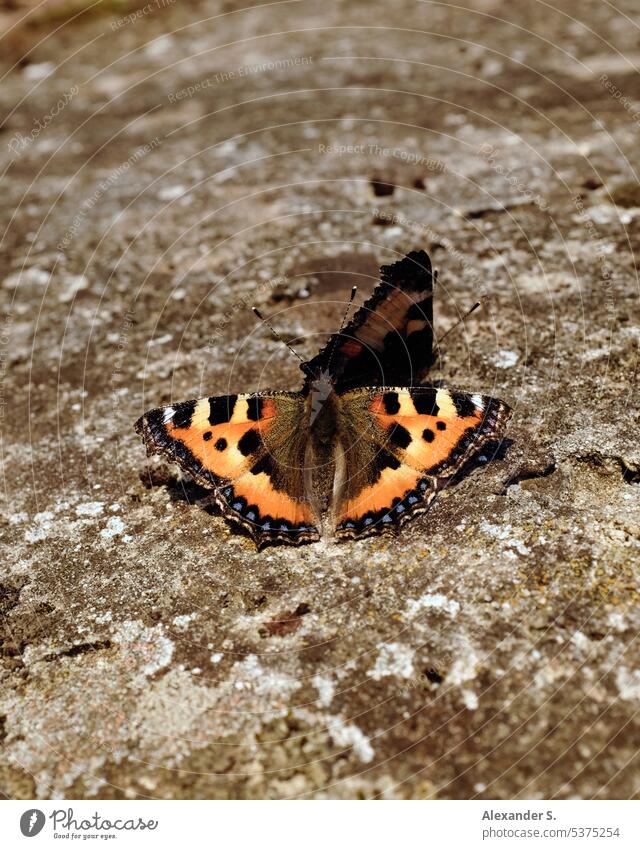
<point>342,324</point>
<point>280,338</point>
<point>458,322</point>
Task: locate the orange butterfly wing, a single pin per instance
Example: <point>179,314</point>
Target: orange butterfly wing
<point>399,444</point>
<point>249,449</point>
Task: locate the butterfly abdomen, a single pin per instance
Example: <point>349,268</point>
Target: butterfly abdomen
<point>320,460</point>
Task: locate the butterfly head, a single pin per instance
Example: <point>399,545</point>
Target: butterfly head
<point>320,388</point>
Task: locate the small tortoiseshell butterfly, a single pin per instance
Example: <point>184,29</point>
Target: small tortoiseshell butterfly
<point>362,441</point>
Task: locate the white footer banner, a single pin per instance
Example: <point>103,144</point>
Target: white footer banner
<point>316,825</point>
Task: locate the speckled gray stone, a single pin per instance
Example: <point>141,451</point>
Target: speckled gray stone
<point>147,649</point>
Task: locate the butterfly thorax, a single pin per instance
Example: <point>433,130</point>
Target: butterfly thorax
<point>321,389</point>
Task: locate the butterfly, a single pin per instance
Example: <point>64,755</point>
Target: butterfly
<point>364,445</point>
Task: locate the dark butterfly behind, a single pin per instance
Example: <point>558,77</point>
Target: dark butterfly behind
<point>389,340</point>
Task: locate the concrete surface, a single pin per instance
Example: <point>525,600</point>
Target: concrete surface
<point>162,172</point>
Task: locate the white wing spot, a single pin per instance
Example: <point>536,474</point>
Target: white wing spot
<point>477,400</point>
<point>168,415</point>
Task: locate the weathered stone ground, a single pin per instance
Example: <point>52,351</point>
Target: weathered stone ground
<point>148,651</point>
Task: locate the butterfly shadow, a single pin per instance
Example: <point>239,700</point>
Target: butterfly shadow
<point>189,492</point>
<point>181,489</point>
<point>492,451</point>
